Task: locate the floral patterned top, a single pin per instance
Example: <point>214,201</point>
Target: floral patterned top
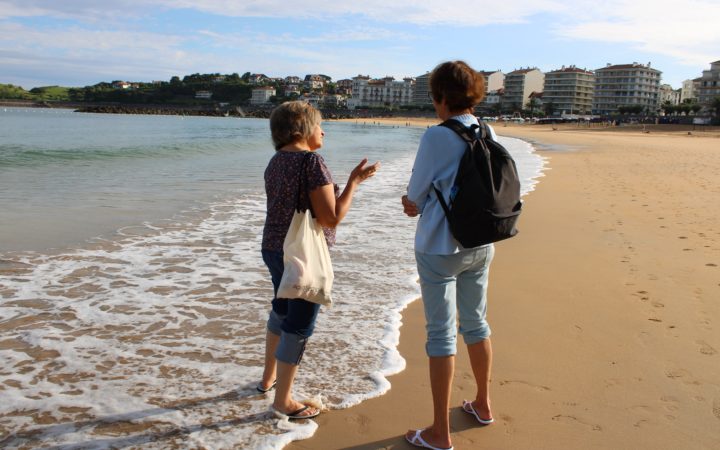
<point>281,187</point>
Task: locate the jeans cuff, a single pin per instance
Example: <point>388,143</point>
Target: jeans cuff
<point>274,323</point>
<point>291,348</point>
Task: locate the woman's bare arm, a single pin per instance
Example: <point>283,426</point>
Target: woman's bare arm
<point>330,211</point>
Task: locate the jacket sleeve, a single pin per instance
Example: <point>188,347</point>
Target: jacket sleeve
<point>425,168</point>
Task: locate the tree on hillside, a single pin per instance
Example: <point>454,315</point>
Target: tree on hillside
<point>9,91</point>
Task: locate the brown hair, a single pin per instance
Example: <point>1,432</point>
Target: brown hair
<point>458,84</point>
<point>293,121</point>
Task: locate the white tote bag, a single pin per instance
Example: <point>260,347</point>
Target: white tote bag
<point>308,272</point>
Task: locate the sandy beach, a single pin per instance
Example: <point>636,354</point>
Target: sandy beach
<point>604,309</point>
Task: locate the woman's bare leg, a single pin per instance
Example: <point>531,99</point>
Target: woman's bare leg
<point>283,392</point>
<point>481,362</point>
<point>271,342</point>
<point>442,370</point>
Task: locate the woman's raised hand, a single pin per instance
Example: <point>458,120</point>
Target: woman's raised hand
<point>361,172</point>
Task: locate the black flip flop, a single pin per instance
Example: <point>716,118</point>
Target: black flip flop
<point>296,414</point>
<point>263,390</point>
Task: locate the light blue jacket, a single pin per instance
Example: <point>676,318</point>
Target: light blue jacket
<point>436,163</point>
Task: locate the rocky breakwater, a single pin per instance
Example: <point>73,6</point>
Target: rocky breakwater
<point>174,111</point>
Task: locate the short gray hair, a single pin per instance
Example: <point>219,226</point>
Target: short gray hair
<point>293,121</point>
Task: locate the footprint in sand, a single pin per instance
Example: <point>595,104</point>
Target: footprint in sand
<point>525,383</point>
<point>705,348</point>
<point>716,408</point>
<point>572,419</point>
<point>507,422</point>
<point>681,375</point>
<point>670,403</point>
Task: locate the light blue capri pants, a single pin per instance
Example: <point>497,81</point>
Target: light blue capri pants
<point>455,285</point>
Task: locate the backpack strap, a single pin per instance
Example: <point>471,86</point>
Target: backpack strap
<point>484,130</point>
<point>467,134</point>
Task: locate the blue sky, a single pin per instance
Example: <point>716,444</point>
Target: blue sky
<point>84,42</point>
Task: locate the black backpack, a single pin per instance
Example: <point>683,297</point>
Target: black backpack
<point>484,203</point>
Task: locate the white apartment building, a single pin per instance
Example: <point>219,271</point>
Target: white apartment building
<point>519,84</point>
<point>626,85</point>
<point>381,92</point>
<point>262,95</point>
<point>688,90</point>
<point>421,90</point>
<point>709,84</point>
<point>494,80</point>
<point>668,94</point>
<point>570,90</point>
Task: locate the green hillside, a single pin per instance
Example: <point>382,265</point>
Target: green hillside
<point>45,93</point>
<point>11,92</point>
<point>50,93</point>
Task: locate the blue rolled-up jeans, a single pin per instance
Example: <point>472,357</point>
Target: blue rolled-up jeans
<point>291,319</point>
<point>455,286</point>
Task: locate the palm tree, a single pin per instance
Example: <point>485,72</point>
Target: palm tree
<point>534,103</point>
<point>549,108</point>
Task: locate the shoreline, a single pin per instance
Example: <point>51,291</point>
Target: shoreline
<point>605,330</point>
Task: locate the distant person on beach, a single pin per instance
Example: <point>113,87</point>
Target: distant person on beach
<point>453,279</point>
<point>297,135</point>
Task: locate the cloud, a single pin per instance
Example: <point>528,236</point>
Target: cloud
<point>419,12</point>
<point>689,34</point>
<point>332,36</point>
<point>102,55</point>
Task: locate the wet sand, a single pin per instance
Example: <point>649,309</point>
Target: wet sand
<point>605,308</point>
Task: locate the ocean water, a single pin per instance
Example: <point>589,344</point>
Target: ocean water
<point>132,293</point>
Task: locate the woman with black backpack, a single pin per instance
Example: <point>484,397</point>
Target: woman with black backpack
<point>453,279</point>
